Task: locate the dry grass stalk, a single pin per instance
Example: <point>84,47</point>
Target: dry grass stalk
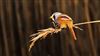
<point>44,32</point>
<point>97,21</point>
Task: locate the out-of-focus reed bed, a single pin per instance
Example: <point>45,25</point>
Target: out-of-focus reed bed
<point>21,18</point>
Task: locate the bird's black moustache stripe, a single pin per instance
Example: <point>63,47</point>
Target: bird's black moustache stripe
<point>54,17</point>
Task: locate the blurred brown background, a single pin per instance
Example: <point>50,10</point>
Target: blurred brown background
<point>21,18</point>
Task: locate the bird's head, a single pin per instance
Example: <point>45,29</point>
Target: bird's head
<point>55,15</point>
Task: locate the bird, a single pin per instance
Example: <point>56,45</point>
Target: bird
<point>63,21</point>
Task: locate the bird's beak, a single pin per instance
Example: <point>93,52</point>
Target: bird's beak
<point>51,17</point>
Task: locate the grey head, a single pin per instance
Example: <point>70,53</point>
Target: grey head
<point>55,15</point>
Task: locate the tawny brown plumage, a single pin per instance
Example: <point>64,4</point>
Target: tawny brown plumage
<point>64,21</point>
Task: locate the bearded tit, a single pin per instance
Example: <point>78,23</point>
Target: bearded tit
<point>63,21</point>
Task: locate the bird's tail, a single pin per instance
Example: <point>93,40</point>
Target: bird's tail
<point>73,33</point>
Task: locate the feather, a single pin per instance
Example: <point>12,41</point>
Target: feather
<point>73,33</point>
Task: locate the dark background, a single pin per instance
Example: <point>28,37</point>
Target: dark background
<point>21,18</point>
